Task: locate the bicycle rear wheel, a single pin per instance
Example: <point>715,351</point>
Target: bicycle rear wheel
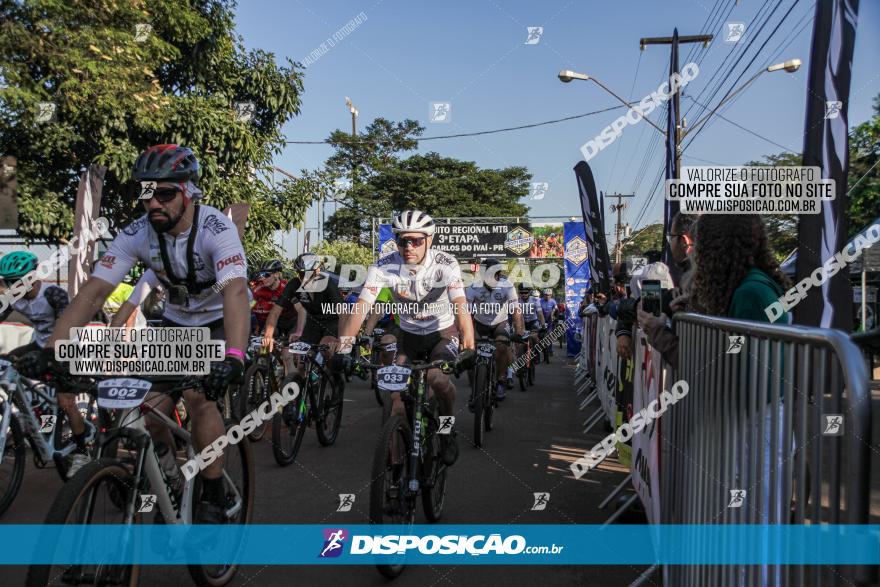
<point>238,472</point>
<point>289,426</point>
<point>12,465</point>
<point>255,392</point>
<point>329,410</point>
<point>390,475</point>
<point>91,497</point>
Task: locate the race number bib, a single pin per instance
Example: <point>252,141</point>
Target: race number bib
<point>393,378</point>
<point>122,392</point>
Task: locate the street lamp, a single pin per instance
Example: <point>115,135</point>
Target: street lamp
<point>566,76</point>
<point>791,66</point>
<point>354,115</point>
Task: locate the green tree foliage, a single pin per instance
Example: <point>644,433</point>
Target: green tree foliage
<point>383,182</point>
<point>116,94</point>
<point>649,238</point>
<point>782,229</point>
<point>345,253</point>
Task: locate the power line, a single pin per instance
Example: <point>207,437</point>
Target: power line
<point>468,134</point>
<point>751,132</point>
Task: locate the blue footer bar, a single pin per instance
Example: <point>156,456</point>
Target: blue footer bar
<point>528,544</point>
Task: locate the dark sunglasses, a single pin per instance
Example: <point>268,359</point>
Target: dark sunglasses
<point>164,195</point>
<point>411,241</point>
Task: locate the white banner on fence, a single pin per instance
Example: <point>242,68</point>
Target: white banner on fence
<point>647,383</point>
<point>606,367</point>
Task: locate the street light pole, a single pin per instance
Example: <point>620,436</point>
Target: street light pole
<point>618,207</point>
<point>674,41</point>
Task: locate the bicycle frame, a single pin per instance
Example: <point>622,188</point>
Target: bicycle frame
<point>13,386</point>
<point>133,428</point>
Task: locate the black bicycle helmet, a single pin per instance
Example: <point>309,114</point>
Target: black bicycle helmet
<point>307,262</point>
<point>272,266</point>
<point>166,163</point>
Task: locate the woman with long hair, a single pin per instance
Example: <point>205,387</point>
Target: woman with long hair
<point>736,274</point>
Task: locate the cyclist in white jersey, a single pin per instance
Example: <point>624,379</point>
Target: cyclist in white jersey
<point>427,289</point>
<point>42,303</point>
<point>190,248</point>
<point>491,300</point>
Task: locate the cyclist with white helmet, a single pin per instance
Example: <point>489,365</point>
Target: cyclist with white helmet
<point>434,320</point>
<point>492,299</point>
<point>42,304</point>
<point>190,248</point>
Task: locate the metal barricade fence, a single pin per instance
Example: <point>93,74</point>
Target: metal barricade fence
<point>774,430</point>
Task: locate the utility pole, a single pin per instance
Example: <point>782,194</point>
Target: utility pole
<point>675,41</point>
<point>618,207</point>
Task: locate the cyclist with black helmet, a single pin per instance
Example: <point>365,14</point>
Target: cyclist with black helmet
<point>314,295</point>
<point>42,304</point>
<point>427,287</point>
<point>492,299</point>
<point>190,248</point>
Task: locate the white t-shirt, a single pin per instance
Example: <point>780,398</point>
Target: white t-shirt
<point>218,256</point>
<point>491,306</point>
<point>423,293</point>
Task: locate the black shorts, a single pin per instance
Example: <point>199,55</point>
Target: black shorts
<point>217,333</point>
<point>436,346</point>
<point>533,326</point>
<point>493,332</point>
<point>391,329</point>
<point>315,330</point>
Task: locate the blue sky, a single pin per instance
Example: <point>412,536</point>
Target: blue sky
<point>473,55</point>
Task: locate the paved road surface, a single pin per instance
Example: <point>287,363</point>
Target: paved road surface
<point>537,434</point>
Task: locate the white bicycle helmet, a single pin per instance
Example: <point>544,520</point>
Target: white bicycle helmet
<point>413,221</point>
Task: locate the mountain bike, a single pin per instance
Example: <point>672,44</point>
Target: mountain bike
<point>526,371</point>
<point>320,402</point>
<point>39,421</point>
<point>261,380</point>
<point>113,490</point>
<point>546,346</point>
<point>483,395</point>
<point>407,462</point>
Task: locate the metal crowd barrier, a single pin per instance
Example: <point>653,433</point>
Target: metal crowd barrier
<point>773,432</point>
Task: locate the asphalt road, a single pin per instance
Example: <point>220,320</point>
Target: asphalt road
<point>537,435</point>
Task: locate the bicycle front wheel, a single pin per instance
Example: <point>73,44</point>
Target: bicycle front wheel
<point>289,427</point>
<point>254,393</point>
<point>329,410</point>
<point>12,464</point>
<point>91,497</point>
<point>481,381</point>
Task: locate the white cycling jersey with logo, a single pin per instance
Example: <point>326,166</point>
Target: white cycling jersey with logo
<point>437,281</point>
<point>491,306</point>
<point>218,256</point>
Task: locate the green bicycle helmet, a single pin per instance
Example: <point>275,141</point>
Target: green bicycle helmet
<point>17,264</point>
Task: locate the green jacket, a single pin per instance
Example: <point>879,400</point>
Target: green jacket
<point>752,295</point>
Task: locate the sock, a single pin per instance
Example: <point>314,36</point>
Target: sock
<point>212,490</point>
<point>510,373</point>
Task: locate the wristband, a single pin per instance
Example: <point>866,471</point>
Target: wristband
<point>347,340</point>
<point>237,353</point>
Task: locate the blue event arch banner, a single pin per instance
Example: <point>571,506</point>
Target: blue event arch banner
<point>577,280</point>
<point>524,544</point>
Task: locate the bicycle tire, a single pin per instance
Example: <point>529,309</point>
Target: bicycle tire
<point>532,369</point>
<point>329,391</point>
<point>521,372</point>
<point>62,508</point>
<point>15,454</point>
<point>290,424</point>
<point>197,572</point>
<point>253,394</point>
<point>434,494</point>
<point>480,382</point>
<point>374,382</point>
<point>395,427</point>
